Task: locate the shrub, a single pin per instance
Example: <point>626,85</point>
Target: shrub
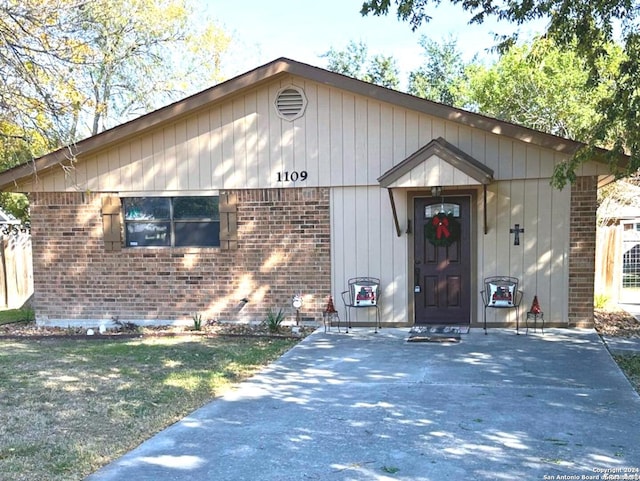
<point>274,320</point>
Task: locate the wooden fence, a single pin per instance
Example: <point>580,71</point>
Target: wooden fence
<point>617,266</point>
<point>16,270</point>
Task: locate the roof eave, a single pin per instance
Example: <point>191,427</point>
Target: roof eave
<point>447,152</point>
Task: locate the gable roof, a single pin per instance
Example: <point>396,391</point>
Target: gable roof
<point>423,168</point>
<point>267,73</point>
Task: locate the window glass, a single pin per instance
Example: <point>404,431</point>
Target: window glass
<point>147,208</point>
<point>446,208</point>
<point>148,234</point>
<point>177,222</point>
<point>200,234</point>
<point>196,208</point>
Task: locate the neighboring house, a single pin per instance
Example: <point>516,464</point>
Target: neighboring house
<point>8,222</point>
<point>290,179</point>
<point>618,245</point>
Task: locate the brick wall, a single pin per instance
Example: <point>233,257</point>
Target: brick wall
<point>283,248</point>
<point>582,251</point>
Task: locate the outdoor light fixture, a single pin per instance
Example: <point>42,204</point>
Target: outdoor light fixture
<point>436,190</point>
<point>296,302</point>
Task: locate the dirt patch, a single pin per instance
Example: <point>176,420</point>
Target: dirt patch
<point>210,329</point>
<point>616,323</point>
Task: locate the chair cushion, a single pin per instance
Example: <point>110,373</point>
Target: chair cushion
<point>365,295</point>
<point>502,294</point>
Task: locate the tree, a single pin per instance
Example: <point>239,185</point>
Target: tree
<point>589,26</point>
<point>132,66</point>
<point>72,68</point>
<point>354,61</point>
<point>541,86</point>
<point>443,72</point>
<point>35,41</point>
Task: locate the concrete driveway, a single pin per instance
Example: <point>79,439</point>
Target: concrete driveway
<point>367,406</point>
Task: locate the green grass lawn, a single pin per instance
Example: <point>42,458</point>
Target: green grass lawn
<point>68,407</point>
<point>16,315</point>
<point>630,365</point>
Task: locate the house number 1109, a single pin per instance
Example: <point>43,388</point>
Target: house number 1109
<point>292,176</point>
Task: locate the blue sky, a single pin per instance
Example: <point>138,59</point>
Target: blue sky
<point>303,30</point>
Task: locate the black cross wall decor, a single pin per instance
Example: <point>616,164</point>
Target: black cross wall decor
<point>517,231</point>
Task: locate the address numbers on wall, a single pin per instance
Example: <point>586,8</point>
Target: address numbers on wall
<point>292,176</point>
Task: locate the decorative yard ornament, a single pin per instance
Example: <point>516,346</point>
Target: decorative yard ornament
<point>442,229</point>
<point>535,306</point>
<point>296,302</point>
<point>330,309</point>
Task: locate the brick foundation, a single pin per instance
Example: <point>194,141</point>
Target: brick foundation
<point>582,251</point>
<point>283,248</point>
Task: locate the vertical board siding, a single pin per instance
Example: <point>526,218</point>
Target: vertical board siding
<point>309,156</point>
<point>263,145</point>
<point>342,139</point>
<point>323,169</point>
<point>335,137</point>
<point>540,259</point>
<point>364,243</point>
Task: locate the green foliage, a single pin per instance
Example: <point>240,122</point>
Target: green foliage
<point>600,301</point>
<point>354,62</point>
<point>541,86</point>
<point>24,314</point>
<point>16,205</point>
<point>68,70</point>
<point>197,321</point>
<point>589,27</point>
<point>440,78</point>
<point>274,320</point>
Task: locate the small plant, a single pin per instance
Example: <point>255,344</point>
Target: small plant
<point>274,320</point>
<point>197,321</point>
<point>600,301</point>
<point>27,314</point>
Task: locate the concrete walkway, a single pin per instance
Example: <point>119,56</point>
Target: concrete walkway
<point>367,406</point>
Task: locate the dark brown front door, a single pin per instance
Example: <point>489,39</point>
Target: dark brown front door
<point>442,273</point>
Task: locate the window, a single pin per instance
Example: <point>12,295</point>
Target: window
<point>172,221</point>
<point>445,208</point>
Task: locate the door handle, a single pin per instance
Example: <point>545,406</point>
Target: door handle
<point>416,279</point>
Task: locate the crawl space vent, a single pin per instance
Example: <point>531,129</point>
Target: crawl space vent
<point>290,103</point>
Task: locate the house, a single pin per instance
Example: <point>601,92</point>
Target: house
<point>289,180</point>
<point>8,222</point>
<point>618,244</point>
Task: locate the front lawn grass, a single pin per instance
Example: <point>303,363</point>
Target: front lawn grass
<point>9,316</point>
<point>630,365</point>
<point>68,407</point>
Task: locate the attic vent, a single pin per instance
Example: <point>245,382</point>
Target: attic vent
<point>290,102</point>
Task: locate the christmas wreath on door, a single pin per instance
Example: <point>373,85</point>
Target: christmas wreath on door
<point>442,229</point>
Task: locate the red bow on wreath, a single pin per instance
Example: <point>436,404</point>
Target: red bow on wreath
<point>442,227</point>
